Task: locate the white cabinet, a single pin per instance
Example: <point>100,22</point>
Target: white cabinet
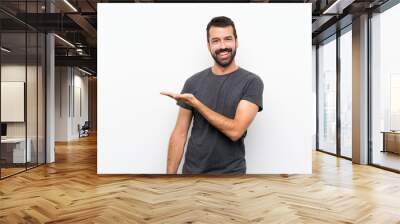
<point>18,149</point>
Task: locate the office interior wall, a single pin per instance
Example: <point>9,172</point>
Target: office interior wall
<point>314,92</point>
<point>81,104</point>
<point>153,55</point>
<point>71,102</point>
<point>62,113</point>
<point>92,98</point>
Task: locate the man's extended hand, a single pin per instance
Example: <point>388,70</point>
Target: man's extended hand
<point>232,128</point>
<point>185,97</point>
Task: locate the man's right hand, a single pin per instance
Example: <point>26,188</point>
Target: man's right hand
<point>177,140</point>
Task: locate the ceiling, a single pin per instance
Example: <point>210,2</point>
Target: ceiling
<point>76,22</point>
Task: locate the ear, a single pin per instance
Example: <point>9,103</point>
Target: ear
<point>208,46</point>
<point>237,43</point>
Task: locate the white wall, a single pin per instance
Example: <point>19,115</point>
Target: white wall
<point>68,82</point>
<point>314,92</point>
<point>80,88</point>
<point>147,48</point>
<point>61,103</point>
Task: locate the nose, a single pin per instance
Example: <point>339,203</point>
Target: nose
<point>223,45</point>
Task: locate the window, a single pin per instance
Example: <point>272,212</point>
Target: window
<point>327,96</point>
<point>385,88</point>
<point>346,93</point>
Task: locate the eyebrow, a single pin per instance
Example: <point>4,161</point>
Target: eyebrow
<point>217,38</point>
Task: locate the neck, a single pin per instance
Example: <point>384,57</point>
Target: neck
<point>219,70</point>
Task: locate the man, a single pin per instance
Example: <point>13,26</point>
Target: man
<point>223,101</point>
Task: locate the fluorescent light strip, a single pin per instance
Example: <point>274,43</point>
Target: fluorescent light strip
<point>5,50</point>
<point>331,7</point>
<point>65,41</point>
<point>86,72</point>
<point>70,5</point>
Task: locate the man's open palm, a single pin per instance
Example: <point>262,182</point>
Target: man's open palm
<point>185,97</point>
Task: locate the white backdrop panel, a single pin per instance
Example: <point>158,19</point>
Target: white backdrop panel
<point>147,48</point>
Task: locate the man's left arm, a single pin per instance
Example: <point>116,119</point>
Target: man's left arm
<point>232,128</point>
<point>249,105</point>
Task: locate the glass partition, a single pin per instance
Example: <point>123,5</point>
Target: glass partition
<point>14,153</point>
<point>327,96</point>
<point>22,63</point>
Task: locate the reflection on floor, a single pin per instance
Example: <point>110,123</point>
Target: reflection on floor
<point>347,152</point>
<point>386,159</point>
<point>11,169</point>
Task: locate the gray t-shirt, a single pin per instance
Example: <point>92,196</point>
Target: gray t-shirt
<point>209,150</point>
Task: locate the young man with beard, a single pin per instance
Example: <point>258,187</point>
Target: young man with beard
<point>223,100</point>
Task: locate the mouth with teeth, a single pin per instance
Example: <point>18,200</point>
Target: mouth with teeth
<point>224,56</point>
<point>224,53</point>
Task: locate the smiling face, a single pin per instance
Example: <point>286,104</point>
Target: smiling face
<point>222,45</point>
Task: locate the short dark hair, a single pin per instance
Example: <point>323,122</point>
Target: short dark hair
<point>221,21</point>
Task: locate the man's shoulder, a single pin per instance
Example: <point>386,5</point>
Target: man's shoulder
<point>197,76</point>
<point>248,75</point>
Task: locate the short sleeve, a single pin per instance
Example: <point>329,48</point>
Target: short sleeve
<point>253,92</point>
<point>186,89</point>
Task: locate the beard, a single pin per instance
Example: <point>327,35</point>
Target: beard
<point>226,61</point>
